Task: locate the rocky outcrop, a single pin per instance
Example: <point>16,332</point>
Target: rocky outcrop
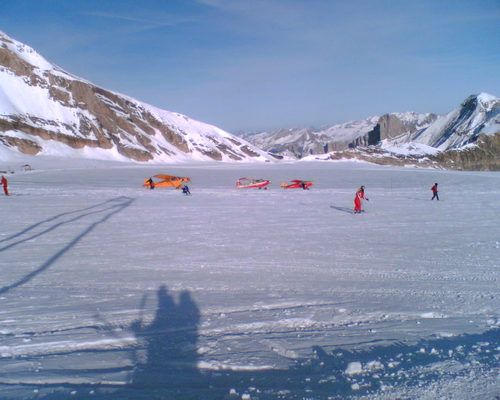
<point>376,155</point>
<point>484,155</point>
<point>25,146</point>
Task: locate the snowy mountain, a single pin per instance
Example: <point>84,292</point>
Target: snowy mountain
<point>47,111</point>
<point>393,138</point>
<point>478,114</point>
<point>302,142</point>
<point>467,138</point>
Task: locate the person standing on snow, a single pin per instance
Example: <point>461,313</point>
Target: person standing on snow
<point>185,190</point>
<point>151,183</point>
<point>4,184</point>
<point>435,192</point>
<point>360,195</point>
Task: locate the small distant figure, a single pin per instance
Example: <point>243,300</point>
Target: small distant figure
<point>304,186</point>
<point>360,195</point>
<point>151,183</point>
<point>435,192</point>
<point>185,190</point>
<point>5,185</point>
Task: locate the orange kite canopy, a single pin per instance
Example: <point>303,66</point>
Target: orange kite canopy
<point>166,181</point>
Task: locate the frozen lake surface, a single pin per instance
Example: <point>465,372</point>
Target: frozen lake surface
<point>109,290</point>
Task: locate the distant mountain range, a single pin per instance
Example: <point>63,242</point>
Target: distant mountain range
<point>478,114</point>
<point>299,142</point>
<point>45,110</point>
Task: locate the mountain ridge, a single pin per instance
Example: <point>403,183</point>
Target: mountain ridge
<point>40,103</point>
<point>45,110</point>
<point>395,133</point>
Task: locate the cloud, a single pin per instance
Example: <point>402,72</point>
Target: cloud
<point>144,21</point>
<point>278,12</point>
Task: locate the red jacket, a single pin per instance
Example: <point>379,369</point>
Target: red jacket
<point>4,181</point>
<point>434,189</point>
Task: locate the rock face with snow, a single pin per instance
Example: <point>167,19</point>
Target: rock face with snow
<point>478,114</point>
<point>396,124</point>
<point>467,138</point>
<point>45,110</point>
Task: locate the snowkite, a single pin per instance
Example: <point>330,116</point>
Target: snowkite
<point>246,183</point>
<point>296,184</point>
<point>166,181</point>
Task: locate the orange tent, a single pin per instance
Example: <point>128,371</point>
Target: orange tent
<point>166,181</point>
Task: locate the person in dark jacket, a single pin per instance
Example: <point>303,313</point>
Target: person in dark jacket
<point>435,192</point>
<point>151,183</point>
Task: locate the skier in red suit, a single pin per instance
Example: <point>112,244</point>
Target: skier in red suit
<point>4,184</point>
<point>360,195</point>
<point>435,192</point>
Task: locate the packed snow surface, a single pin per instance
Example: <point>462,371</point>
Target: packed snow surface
<point>111,290</point>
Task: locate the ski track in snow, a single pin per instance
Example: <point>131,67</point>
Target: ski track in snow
<point>251,281</point>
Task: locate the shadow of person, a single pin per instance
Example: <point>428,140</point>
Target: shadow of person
<point>169,345</point>
<point>167,366</point>
<point>343,209</point>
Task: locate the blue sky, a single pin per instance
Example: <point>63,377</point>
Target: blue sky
<point>247,65</point>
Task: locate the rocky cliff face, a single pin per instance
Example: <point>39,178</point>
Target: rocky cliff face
<point>40,104</point>
<point>396,124</point>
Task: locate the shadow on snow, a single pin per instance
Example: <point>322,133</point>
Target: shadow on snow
<point>343,209</point>
<point>107,209</point>
<point>165,365</point>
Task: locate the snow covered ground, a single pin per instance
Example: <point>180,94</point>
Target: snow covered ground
<point>109,290</point>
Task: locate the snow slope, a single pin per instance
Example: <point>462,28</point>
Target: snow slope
<point>112,291</point>
<point>351,130</point>
<point>47,111</point>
